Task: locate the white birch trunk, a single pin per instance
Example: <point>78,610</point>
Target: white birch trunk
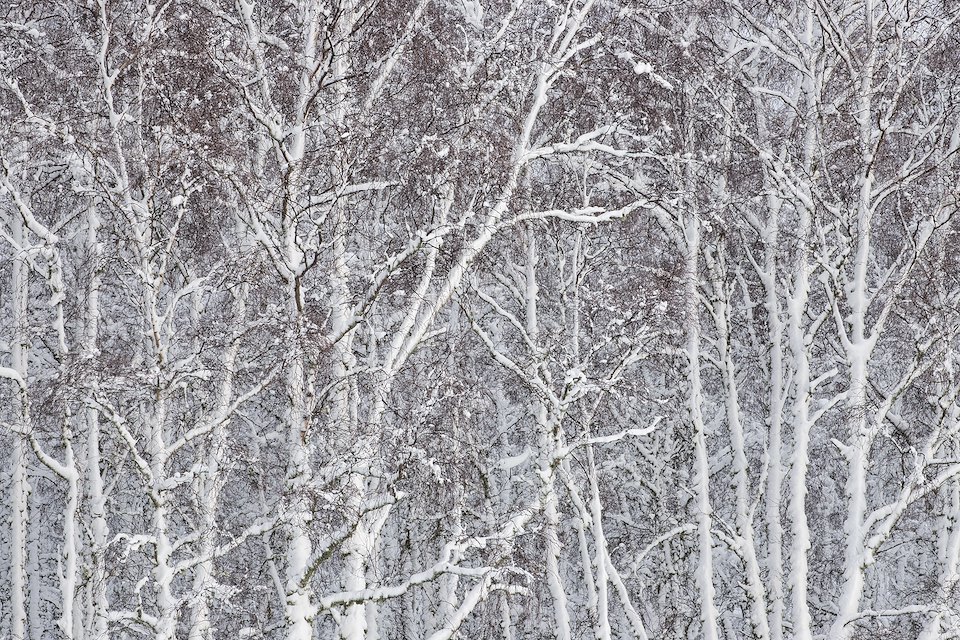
<point>800,365</point>
<point>158,456</point>
<point>550,441</point>
<point>97,602</point>
<point>774,452</point>
<point>858,348</point>
<point>20,488</point>
<point>704,512</point>
<point>753,583</point>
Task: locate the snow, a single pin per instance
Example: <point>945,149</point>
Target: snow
<point>504,321</point>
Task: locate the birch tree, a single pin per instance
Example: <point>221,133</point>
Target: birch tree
<point>503,319</point>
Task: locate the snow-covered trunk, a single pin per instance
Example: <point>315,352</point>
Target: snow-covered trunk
<point>549,427</point>
<point>746,548</point>
<point>70,622</point>
<point>799,462</point>
<point>753,581</point>
<point>167,609</point>
<point>858,346</point>
<point>950,575</point>
<point>353,622</point>
<point>796,307</point>
<point>550,440</point>
<point>343,413</point>
<point>948,524</point>
<point>20,487</point>
<point>694,391</point>
<point>157,454</point>
<point>948,527</point>
<point>35,557</point>
<point>602,561</point>
<point>97,602</point>
<point>298,608</point>
<point>582,523</point>
<point>768,273</point>
<point>774,451</point>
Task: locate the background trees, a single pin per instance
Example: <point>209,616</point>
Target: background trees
<point>468,319</point>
